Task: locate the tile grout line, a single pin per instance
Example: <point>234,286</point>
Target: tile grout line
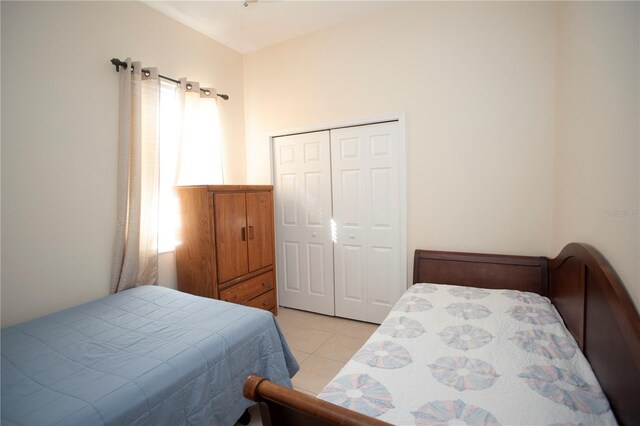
<point>315,394</point>
<point>314,354</point>
<point>329,359</point>
<point>331,334</point>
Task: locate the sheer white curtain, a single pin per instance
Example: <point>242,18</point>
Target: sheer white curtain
<point>200,143</point>
<point>191,153</point>
<point>135,258</point>
<point>169,134</point>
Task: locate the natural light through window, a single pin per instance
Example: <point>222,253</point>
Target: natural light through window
<point>200,156</point>
<point>169,215</point>
<point>190,153</point>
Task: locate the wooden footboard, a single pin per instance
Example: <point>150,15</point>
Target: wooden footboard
<point>280,405</point>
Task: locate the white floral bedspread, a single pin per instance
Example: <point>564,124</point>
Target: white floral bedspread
<point>449,355</point>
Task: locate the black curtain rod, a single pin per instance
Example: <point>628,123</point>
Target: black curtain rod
<point>118,63</point>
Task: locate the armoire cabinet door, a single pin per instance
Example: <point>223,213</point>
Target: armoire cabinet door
<point>231,235</point>
<point>259,229</point>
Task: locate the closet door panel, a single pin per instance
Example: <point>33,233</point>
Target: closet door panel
<point>383,224</point>
<point>367,217</point>
<point>290,272</point>
<point>313,190</point>
<point>303,214</point>
<point>349,180</point>
<point>381,198</point>
<point>381,276</point>
<point>259,229</point>
<point>288,207</point>
<point>382,229</point>
<point>317,279</point>
<point>351,268</point>
<point>350,202</point>
<point>231,235</point>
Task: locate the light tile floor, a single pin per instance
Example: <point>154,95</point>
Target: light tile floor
<point>321,344</point>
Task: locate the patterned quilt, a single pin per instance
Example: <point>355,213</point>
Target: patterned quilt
<point>466,356</point>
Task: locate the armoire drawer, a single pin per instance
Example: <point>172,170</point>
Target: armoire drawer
<point>249,289</point>
<point>264,301</point>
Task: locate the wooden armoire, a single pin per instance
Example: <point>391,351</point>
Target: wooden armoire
<point>226,248</point>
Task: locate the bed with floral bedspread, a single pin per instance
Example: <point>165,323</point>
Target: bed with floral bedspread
<point>460,355</point>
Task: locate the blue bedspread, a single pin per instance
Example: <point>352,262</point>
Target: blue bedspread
<point>145,356</point>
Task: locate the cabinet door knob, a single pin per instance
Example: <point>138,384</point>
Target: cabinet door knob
<point>313,234</point>
<point>352,236</point>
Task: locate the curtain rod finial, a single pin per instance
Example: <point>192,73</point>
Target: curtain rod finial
<point>118,63</point>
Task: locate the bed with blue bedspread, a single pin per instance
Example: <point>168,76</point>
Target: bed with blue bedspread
<point>145,356</point>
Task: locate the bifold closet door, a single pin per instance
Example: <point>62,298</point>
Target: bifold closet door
<point>302,178</point>
<point>366,210</point>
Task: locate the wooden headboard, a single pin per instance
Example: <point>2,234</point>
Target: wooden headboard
<point>524,273</point>
<point>586,292</point>
<point>597,310</point>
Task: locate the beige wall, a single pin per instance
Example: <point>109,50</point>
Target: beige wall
<point>477,84</point>
<point>59,139</point>
<point>597,180</point>
<point>522,126</point>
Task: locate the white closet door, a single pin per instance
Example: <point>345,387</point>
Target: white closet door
<point>369,276</point>
<point>302,177</point>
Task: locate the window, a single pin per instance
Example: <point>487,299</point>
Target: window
<point>169,215</point>
<point>190,153</point>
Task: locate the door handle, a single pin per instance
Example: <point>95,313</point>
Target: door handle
<point>251,232</point>
<point>244,233</point>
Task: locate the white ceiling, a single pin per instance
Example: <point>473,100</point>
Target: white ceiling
<point>264,22</point>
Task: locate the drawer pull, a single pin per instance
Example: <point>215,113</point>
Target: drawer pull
<point>265,284</point>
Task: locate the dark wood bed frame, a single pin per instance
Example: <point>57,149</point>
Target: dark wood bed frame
<point>580,283</point>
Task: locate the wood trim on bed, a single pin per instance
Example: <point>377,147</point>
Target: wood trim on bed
<point>283,406</point>
<point>599,313</point>
<point>524,273</point>
<point>582,285</point>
